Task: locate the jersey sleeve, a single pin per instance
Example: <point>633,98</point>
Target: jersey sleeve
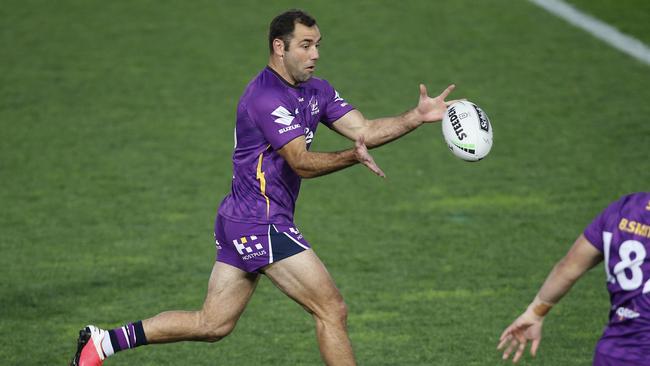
<point>278,119</point>
<point>594,232</point>
<point>335,106</point>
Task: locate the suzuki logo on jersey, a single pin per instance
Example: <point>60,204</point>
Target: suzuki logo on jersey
<point>338,98</point>
<point>313,105</point>
<point>288,128</point>
<point>284,115</point>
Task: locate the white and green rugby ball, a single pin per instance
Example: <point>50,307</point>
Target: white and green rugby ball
<point>467,131</point>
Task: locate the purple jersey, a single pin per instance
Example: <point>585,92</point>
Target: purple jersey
<point>272,112</point>
<point>622,233</point>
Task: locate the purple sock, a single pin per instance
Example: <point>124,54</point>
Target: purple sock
<point>128,336</point>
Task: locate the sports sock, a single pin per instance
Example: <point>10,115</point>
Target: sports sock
<point>126,337</point>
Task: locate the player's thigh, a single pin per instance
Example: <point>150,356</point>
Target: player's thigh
<point>304,278</point>
<point>229,290</point>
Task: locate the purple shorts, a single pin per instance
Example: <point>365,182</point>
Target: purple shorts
<point>250,246</point>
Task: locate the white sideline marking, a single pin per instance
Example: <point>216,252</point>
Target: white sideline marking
<point>597,28</point>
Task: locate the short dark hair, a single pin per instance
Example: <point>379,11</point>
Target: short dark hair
<point>284,24</point>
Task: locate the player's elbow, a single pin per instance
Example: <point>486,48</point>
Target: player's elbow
<point>299,168</point>
<point>299,163</point>
<point>304,173</point>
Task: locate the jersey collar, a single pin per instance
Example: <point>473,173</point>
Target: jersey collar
<point>282,79</point>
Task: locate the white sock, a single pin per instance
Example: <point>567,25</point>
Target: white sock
<point>107,347</point>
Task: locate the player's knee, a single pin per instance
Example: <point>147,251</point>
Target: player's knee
<point>335,311</point>
<point>341,311</point>
<point>215,329</point>
<point>216,332</point>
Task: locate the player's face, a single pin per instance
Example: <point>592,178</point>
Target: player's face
<point>300,59</point>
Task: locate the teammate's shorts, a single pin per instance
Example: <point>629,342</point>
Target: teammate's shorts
<point>250,246</point>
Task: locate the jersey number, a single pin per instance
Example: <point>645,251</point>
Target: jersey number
<point>632,254</point>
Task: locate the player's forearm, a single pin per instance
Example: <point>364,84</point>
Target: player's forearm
<point>316,164</point>
<point>563,276</point>
<point>383,130</point>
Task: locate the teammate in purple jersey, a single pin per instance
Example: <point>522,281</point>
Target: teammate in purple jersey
<point>619,236</point>
<point>277,119</point>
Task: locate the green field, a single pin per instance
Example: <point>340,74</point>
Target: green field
<point>116,123</point>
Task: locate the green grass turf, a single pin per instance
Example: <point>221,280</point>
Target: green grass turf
<point>117,120</point>
<point>629,16</point>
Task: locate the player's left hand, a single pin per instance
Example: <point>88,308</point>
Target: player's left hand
<point>433,109</point>
<point>527,327</point>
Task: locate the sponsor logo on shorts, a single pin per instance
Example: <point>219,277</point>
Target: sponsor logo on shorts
<point>253,255</point>
<point>625,313</point>
<point>216,242</point>
<point>295,232</point>
<point>249,248</point>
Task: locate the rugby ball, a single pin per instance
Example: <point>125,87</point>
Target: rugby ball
<point>467,131</point>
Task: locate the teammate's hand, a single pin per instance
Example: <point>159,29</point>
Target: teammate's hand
<point>364,157</point>
<point>527,327</point>
<point>433,109</point>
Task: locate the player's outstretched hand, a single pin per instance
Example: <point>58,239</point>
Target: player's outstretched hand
<point>527,327</point>
<point>364,157</point>
<point>433,109</point>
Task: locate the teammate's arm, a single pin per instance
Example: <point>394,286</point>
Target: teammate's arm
<point>383,130</point>
<point>528,326</point>
<point>309,164</point>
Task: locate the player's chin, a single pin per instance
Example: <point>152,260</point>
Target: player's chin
<point>305,76</point>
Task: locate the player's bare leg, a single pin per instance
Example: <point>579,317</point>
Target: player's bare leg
<point>229,290</point>
<point>304,278</point>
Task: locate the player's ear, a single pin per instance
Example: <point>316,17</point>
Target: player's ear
<point>278,47</point>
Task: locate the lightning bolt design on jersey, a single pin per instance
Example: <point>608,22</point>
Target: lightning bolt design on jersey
<point>260,176</point>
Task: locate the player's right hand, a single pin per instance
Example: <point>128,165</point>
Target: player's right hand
<point>528,326</point>
<point>363,156</point>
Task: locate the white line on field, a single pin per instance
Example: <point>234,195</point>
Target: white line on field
<point>597,28</point>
